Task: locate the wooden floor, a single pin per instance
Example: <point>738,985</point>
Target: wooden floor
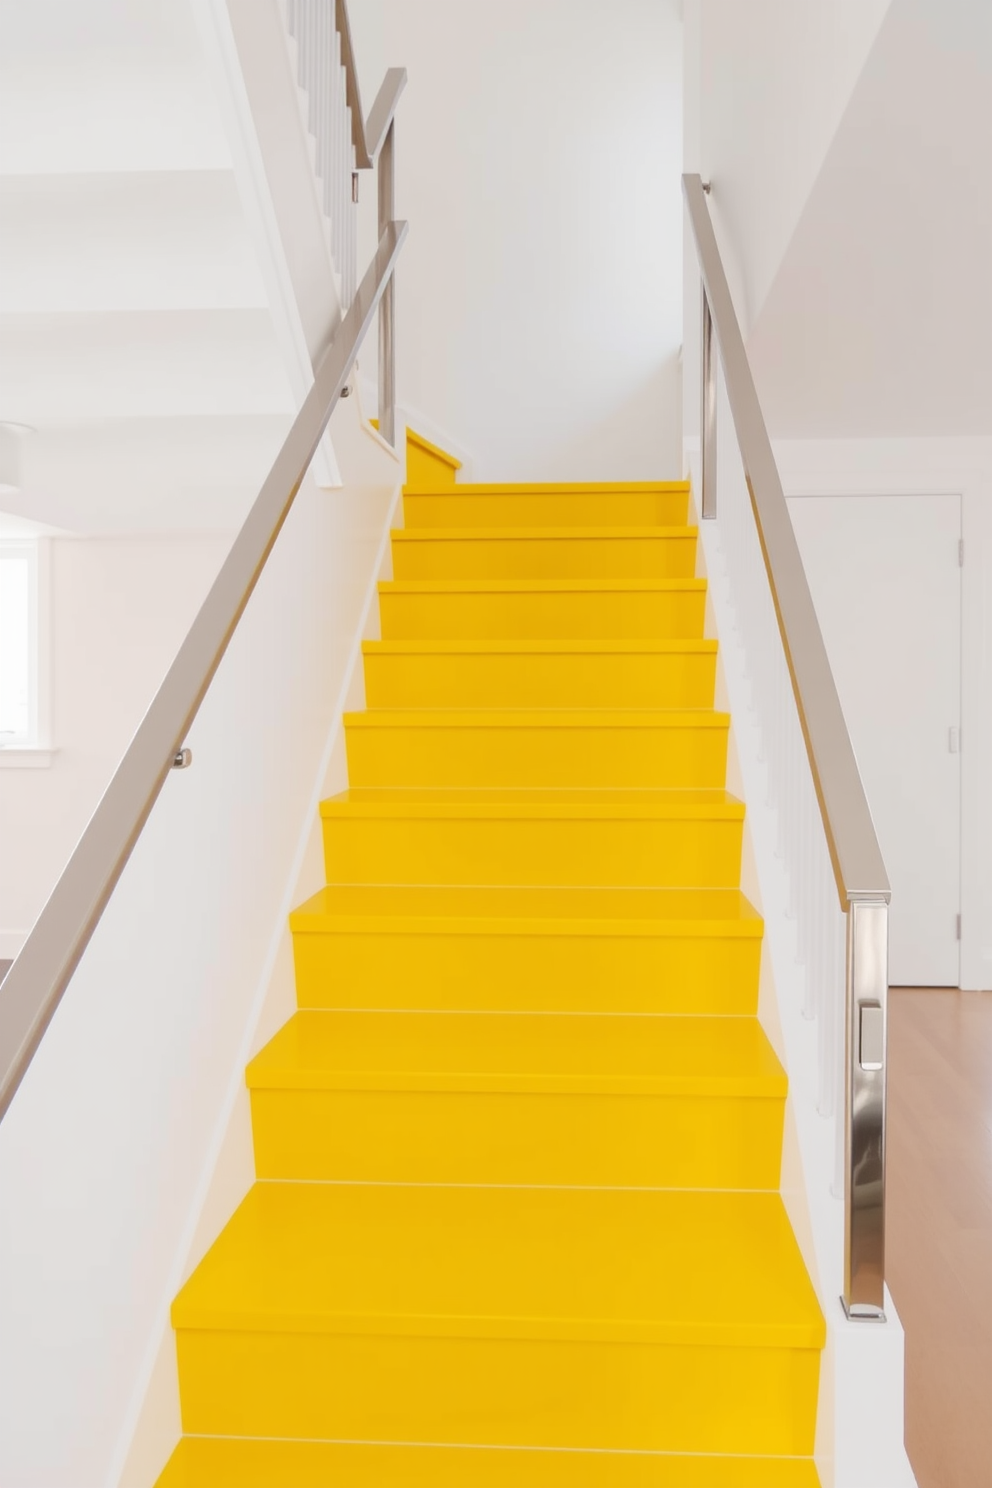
<point>939,1227</point>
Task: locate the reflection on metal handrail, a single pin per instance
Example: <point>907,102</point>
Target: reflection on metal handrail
<point>38,978</point>
<point>859,871</point>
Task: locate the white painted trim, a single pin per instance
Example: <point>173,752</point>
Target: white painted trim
<point>11,942</point>
<point>213,22</point>
<point>26,757</point>
<point>222,1151</point>
<point>33,750</point>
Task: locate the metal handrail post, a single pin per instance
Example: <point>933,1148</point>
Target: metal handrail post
<point>866,998</point>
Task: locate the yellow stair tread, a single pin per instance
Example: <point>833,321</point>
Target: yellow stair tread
<point>544,718</point>
<point>513,1052</point>
<point>540,488</point>
<point>541,586</point>
<point>599,1265</point>
<point>432,646</point>
<point>245,1462</point>
<point>542,534</point>
<point>521,804</point>
<point>507,910</point>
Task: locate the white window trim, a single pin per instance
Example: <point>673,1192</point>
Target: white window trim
<point>35,750</point>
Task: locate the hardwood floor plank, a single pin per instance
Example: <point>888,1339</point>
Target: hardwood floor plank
<point>939,1227</point>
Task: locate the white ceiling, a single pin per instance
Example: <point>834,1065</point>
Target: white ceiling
<point>879,320</point>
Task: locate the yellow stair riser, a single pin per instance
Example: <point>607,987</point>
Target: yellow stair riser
<point>502,1391</point>
<point>488,755</point>
<point>528,973</point>
<point>416,556</point>
<point>226,1462</point>
<point>562,507</point>
<point>426,465</point>
<point>582,1140</point>
<point>459,850</point>
<point>484,614</point>
<point>537,679</point>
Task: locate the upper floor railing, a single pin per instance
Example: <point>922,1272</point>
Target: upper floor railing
<point>347,143</point>
<point>36,982</point>
<point>825,825</point>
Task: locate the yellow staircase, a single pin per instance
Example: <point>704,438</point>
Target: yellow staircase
<point>517,1220</point>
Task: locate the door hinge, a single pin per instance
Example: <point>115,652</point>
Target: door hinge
<point>954,740</point>
<point>960,552</point>
<point>354,186</point>
<point>957,926</point>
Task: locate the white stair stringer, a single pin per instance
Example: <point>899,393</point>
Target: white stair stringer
<point>860,1417</point>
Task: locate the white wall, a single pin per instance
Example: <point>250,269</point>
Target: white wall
<point>767,84</point>
<point>118,609</point>
<point>956,467</point>
<point>879,322</point>
<point>109,1152</point>
<point>539,295</point>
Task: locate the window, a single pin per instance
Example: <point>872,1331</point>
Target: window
<point>23,724</point>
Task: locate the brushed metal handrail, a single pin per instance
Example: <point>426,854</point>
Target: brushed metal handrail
<point>366,136</point>
<point>859,870</point>
<point>856,856</point>
<point>35,984</point>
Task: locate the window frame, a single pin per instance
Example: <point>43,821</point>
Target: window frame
<point>33,749</point>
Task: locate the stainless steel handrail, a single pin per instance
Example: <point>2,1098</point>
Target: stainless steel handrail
<point>367,137</point>
<point>859,870</point>
<point>374,140</point>
<point>35,984</point>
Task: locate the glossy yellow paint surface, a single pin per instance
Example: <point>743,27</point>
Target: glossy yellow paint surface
<point>535,747</point>
<point>533,949</point>
<point>204,1462</point>
<point>633,504</point>
<point>540,674</point>
<point>518,1150</point>
<point>462,1097</point>
<point>544,553</point>
<point>660,838</point>
<point>426,465</point>
<point>542,609</point>
<point>593,1314</point>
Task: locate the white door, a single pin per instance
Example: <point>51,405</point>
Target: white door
<point>886,581</point>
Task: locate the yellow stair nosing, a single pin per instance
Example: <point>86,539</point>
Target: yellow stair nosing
<point>304,922</point>
<point>541,586</point>
<point>555,488</point>
<point>738,1087</point>
<point>781,1335</point>
<point>513,805</point>
<point>669,533</point>
<point>521,1053</point>
<point>221,1462</point>
<point>664,1266</point>
<point>538,718</point>
<point>431,646</point>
